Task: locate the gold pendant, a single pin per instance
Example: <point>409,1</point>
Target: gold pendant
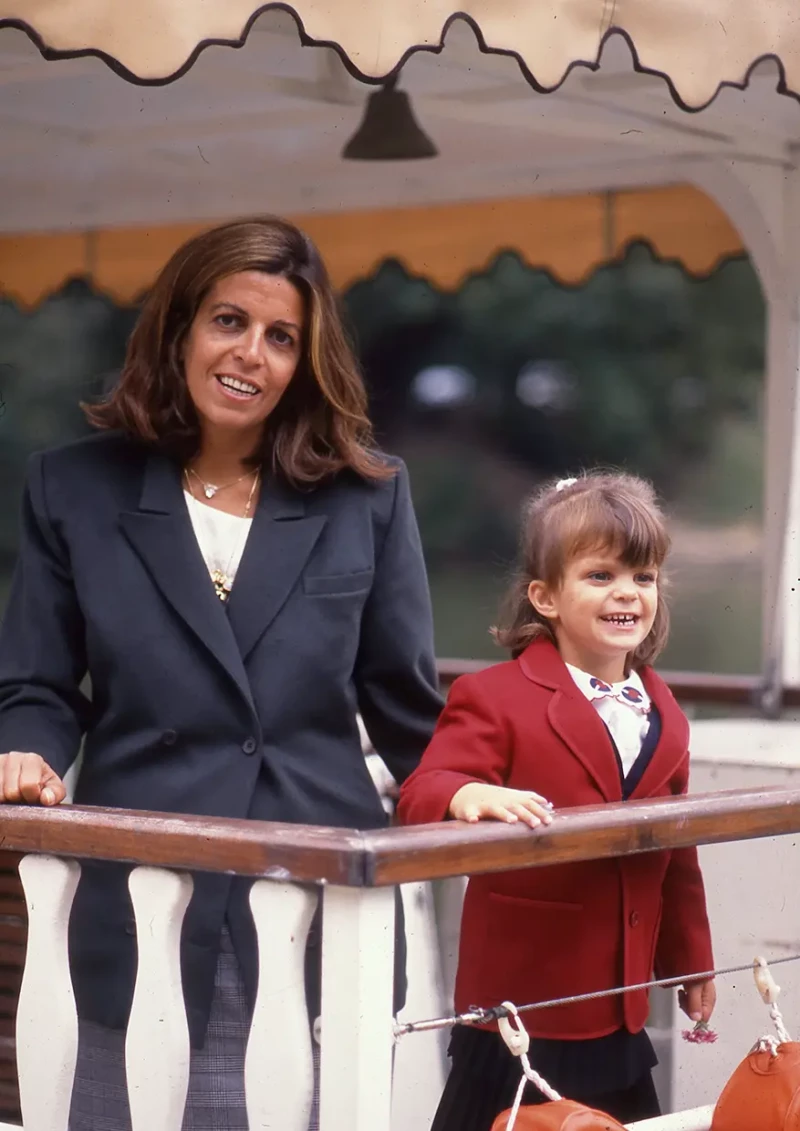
<point>222,584</point>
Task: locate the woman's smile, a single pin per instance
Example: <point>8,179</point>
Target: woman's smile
<point>237,387</point>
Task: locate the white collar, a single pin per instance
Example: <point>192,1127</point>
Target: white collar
<point>629,691</point>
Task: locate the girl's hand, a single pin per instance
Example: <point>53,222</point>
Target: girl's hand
<point>697,999</point>
<point>27,778</point>
<point>478,802</point>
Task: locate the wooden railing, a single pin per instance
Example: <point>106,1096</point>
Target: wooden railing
<point>355,872</point>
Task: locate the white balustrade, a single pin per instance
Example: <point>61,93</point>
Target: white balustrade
<point>279,1069</point>
<point>157,1050</point>
<point>47,1021</point>
<point>357,1023</point>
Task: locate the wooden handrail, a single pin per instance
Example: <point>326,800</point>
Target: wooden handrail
<point>590,833</point>
<point>688,687</point>
<point>305,853</point>
<point>308,854</point>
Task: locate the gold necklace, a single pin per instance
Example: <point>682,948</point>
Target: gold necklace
<point>222,580</point>
<point>211,489</point>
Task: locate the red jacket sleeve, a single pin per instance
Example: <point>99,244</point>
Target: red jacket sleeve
<point>684,938</point>
<point>470,744</point>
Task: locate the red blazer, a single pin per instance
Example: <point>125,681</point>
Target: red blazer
<point>566,929</point>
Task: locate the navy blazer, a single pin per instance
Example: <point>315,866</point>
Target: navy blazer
<point>240,710</point>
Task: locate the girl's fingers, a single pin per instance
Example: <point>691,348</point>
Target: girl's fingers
<point>499,812</point>
<point>540,811</point>
<point>526,814</point>
<point>499,804</point>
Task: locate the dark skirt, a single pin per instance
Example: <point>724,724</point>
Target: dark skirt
<point>610,1073</point>
<point>216,1099</point>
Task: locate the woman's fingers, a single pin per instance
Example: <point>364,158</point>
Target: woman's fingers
<point>11,765</point>
<point>26,777</point>
<point>31,769</point>
<point>53,789</point>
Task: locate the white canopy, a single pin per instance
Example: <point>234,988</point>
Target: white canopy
<point>699,46</point>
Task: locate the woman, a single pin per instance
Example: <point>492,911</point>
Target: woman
<point>235,568</point>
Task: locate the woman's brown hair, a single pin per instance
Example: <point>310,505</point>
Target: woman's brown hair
<point>599,510</point>
<point>320,425</point>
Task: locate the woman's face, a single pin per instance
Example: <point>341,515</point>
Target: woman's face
<point>242,351</point>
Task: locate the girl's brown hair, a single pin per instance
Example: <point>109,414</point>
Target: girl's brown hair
<point>598,510</point>
<point>320,425</point>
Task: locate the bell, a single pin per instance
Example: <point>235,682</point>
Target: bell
<point>389,130</point>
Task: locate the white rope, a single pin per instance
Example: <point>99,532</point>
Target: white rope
<point>518,1043</point>
<point>780,1028</point>
<point>769,991</point>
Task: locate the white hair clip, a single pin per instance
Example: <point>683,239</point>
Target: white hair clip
<point>562,483</point>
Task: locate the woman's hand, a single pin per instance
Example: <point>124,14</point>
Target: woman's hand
<point>478,802</point>
<point>697,999</point>
<point>27,778</point>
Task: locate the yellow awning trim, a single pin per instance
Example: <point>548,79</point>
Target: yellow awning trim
<point>569,236</point>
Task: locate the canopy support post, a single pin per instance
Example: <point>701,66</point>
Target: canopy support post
<point>763,201</point>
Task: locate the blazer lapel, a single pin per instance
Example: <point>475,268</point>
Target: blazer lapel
<point>161,534</point>
<point>673,743</point>
<point>280,541</point>
<point>573,718</point>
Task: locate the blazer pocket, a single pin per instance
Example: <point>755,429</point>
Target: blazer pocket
<point>338,585</point>
<point>533,950</point>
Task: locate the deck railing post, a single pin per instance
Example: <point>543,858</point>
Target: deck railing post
<point>357,993</point>
<point>279,1070</point>
<point>47,1021</point>
<point>157,1051</point>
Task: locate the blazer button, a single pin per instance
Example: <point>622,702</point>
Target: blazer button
<point>249,746</point>
<point>169,737</point>
<point>633,919</point>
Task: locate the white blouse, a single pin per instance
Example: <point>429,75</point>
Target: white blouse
<point>624,707</point>
<point>221,537</point>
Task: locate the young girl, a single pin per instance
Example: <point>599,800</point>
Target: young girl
<point>577,717</point>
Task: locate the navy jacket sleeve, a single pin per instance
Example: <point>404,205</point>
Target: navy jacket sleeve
<point>42,653</point>
<point>395,673</point>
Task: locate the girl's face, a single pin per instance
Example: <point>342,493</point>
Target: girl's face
<point>242,351</point>
<point>600,612</point>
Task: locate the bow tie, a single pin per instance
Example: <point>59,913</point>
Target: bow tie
<point>625,694</point>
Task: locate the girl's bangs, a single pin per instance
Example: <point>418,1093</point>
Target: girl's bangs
<point>620,525</point>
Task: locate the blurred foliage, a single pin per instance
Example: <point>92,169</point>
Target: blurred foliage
<point>50,359</point>
<point>649,360</point>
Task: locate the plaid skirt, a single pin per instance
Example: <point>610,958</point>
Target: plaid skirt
<point>216,1100</point>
